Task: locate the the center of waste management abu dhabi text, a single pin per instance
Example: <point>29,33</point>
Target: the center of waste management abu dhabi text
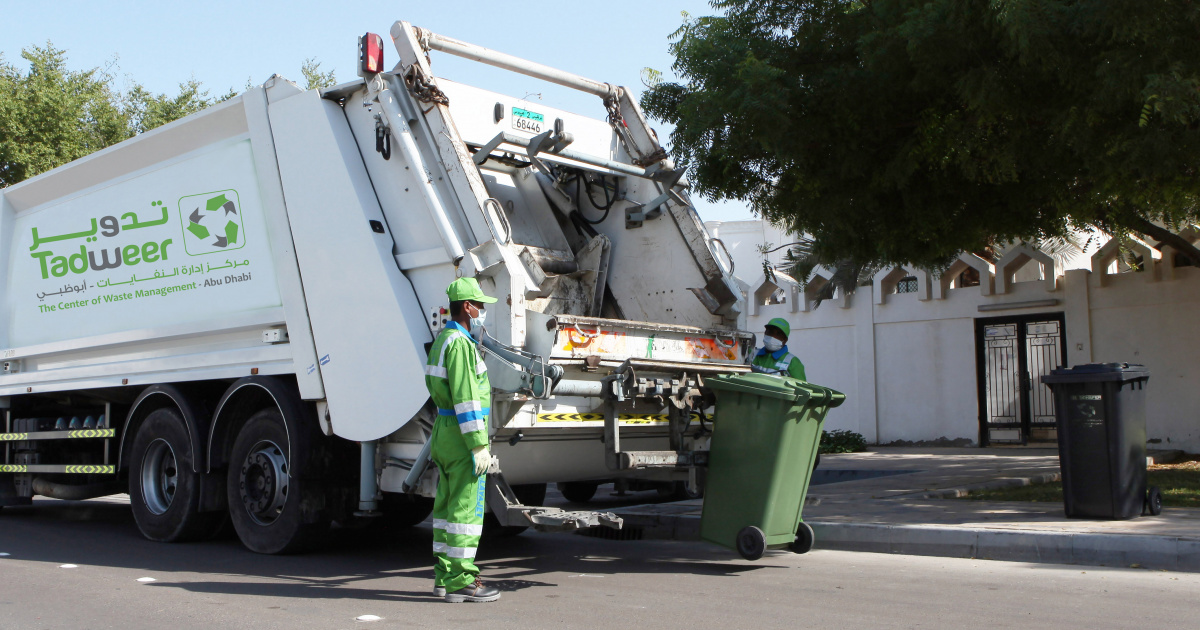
<point>107,298</point>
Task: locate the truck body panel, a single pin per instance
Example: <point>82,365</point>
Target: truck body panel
<point>361,306</point>
<point>91,298</point>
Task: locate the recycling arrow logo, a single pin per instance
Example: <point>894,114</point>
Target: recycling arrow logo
<point>212,222</point>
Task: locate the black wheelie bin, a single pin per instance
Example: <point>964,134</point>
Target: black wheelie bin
<point>1100,409</point>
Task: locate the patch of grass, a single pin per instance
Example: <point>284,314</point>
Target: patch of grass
<point>1180,488</point>
<point>1042,492</point>
<point>1179,483</point>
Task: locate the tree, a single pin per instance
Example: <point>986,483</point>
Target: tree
<point>905,131</point>
<point>51,115</point>
<point>314,78</point>
<point>147,111</point>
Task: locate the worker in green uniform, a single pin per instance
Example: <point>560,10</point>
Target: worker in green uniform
<point>458,383</point>
<point>773,357</point>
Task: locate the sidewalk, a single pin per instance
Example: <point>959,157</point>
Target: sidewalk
<point>906,513</point>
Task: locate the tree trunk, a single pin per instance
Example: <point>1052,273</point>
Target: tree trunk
<point>1167,237</point>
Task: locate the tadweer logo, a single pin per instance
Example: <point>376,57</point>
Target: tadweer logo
<point>214,223</point>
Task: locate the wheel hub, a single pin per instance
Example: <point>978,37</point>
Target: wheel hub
<point>263,482</point>
<point>160,477</point>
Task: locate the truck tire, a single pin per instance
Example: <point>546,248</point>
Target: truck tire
<point>404,510</point>
<point>164,490</point>
<point>679,490</point>
<point>578,491</point>
<point>527,494</point>
<point>266,495</point>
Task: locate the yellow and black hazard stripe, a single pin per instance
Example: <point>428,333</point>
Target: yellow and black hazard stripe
<point>78,434</point>
<point>570,417</point>
<point>92,433</point>
<point>623,418</point>
<point>58,468</point>
<point>89,470</point>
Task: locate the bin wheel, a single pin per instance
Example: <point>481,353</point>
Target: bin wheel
<point>751,543</point>
<point>804,538</point>
<point>1153,501</point>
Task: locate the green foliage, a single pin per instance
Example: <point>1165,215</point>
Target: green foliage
<point>147,111</point>
<point>906,131</point>
<point>1180,488</point>
<point>841,441</point>
<point>314,78</point>
<point>51,115</point>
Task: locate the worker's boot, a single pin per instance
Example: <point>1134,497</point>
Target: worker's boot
<point>476,592</point>
<point>439,591</point>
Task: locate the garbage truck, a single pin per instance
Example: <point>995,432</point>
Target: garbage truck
<point>228,317</point>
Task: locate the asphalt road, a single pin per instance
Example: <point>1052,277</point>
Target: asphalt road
<point>548,581</point>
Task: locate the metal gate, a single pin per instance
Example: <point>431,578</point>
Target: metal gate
<point>1013,354</point>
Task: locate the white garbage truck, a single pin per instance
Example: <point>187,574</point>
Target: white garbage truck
<point>228,317</point>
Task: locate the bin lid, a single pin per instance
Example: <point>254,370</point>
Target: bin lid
<point>768,385</point>
<point>773,386</point>
<point>1098,373</point>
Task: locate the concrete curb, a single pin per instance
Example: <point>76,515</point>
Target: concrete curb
<point>996,484</point>
<point>1115,550</point>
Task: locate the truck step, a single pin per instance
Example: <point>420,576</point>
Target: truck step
<point>71,469</point>
<point>78,434</point>
<point>628,460</point>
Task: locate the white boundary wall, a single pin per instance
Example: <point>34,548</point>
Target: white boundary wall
<point>907,362</point>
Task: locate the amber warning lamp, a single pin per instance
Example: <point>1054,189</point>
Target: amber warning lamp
<point>370,55</point>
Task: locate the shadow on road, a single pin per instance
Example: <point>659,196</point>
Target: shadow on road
<point>347,565</point>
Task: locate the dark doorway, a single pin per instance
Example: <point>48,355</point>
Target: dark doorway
<point>1013,353</point>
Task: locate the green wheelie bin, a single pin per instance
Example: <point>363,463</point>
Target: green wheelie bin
<point>766,433</point>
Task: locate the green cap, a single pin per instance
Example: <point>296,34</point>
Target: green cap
<point>467,289</point>
<point>781,324</point>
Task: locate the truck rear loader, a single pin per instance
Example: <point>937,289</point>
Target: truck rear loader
<point>228,316</point>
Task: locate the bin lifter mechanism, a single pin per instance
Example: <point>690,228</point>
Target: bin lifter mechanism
<point>517,371</point>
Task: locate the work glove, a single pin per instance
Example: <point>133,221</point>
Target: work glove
<point>483,459</point>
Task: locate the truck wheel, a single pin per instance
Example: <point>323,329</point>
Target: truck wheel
<point>527,494</point>
<point>265,493</point>
<point>164,490</point>
<point>405,510</point>
<point>578,491</point>
<point>679,490</point>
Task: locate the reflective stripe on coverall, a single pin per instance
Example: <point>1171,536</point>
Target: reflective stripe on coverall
<point>458,383</point>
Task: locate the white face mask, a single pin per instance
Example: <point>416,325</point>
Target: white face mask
<point>477,321</point>
<point>772,344</point>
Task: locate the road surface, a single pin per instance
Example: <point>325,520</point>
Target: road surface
<point>548,581</point>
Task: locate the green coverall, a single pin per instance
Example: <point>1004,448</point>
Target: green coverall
<point>458,383</point>
<point>781,361</point>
